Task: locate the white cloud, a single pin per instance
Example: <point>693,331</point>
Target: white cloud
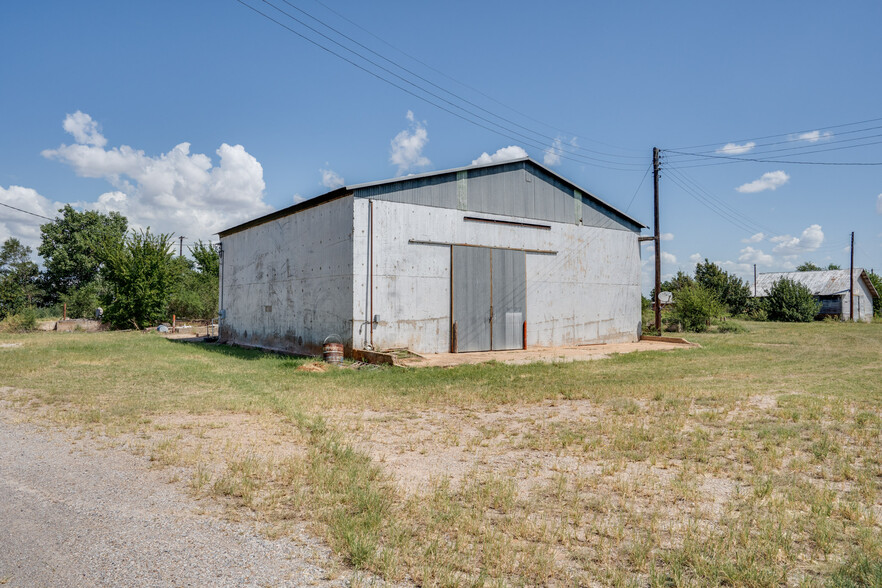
<point>879,203</point>
<point>755,238</point>
<point>504,154</point>
<point>811,239</point>
<point>695,258</point>
<point>735,149</point>
<point>668,257</point>
<point>22,226</point>
<point>174,192</point>
<point>331,179</point>
<point>768,181</point>
<point>813,136</point>
<point>750,255</point>
<point>406,148</point>
<point>667,236</point>
<point>297,199</point>
<point>552,154</point>
<point>84,130</point>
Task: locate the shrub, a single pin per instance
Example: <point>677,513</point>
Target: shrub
<point>790,301</point>
<point>695,307</point>
<point>82,302</point>
<point>26,320</point>
<point>730,327</point>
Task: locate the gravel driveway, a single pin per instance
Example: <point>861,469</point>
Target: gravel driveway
<point>73,515</point>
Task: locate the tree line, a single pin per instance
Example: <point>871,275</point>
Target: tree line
<point>92,260</point>
<point>708,297</point>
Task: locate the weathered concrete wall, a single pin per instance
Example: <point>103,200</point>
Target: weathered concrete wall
<point>287,284</point>
<point>588,291</point>
<point>863,302</point>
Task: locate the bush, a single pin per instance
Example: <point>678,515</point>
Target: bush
<point>695,307</point>
<point>82,302</point>
<point>790,301</point>
<point>730,327</point>
<point>26,320</point>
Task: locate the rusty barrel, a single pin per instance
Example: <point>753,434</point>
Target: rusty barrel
<point>332,352</point>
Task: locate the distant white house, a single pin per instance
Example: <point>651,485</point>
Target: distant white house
<point>832,288</point>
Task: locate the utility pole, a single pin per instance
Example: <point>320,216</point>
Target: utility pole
<point>851,283</point>
<point>754,280</point>
<point>181,248</point>
<point>657,239</point>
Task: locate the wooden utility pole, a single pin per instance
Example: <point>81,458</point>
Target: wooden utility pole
<point>851,283</point>
<point>754,280</point>
<point>657,239</point>
<point>181,249</point>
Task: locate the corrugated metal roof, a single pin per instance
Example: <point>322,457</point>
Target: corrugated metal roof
<point>821,283</point>
<point>345,190</point>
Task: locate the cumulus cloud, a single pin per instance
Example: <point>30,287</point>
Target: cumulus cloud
<point>553,153</point>
<point>750,255</point>
<point>735,149</point>
<point>174,192</point>
<point>331,179</point>
<point>755,238</point>
<point>811,239</point>
<point>768,181</point>
<point>22,226</point>
<point>695,258</point>
<point>504,154</point>
<point>406,148</point>
<point>667,236</point>
<point>84,130</point>
<point>813,136</point>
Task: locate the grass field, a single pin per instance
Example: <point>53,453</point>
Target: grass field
<point>755,460</point>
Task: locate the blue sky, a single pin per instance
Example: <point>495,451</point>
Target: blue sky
<point>191,117</point>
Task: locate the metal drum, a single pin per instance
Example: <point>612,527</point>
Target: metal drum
<point>332,350</point>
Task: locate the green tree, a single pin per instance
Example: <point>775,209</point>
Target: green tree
<point>18,277</point>
<point>876,279</point>
<point>808,267</point>
<point>834,266</point>
<point>790,301</point>
<point>195,294</point>
<point>695,307</point>
<point>139,274</point>
<point>72,245</point>
<point>730,290</point>
<point>207,259</point>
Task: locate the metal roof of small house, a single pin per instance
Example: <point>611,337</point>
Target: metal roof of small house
<point>821,282</point>
<point>346,190</point>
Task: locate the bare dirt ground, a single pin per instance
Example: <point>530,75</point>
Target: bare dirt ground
<point>539,354</point>
<point>76,515</point>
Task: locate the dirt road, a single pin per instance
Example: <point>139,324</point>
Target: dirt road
<point>74,515</point>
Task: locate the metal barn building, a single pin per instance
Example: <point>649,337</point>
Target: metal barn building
<point>832,289</point>
<point>485,257</point>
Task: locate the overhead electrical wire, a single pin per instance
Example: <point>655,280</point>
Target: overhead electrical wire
<point>506,132</point>
<point>476,90</point>
<point>792,133</point>
<point>431,83</point>
<point>643,179</point>
<point>26,211</point>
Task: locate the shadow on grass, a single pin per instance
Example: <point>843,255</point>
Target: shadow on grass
<point>240,352</point>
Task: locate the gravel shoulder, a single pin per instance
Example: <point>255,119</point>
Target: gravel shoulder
<point>75,515</point>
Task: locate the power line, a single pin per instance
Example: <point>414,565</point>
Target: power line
<point>839,126</point>
<point>27,212</point>
<point>646,173</point>
<point>528,140</point>
<point>426,80</point>
<point>477,91</point>
<point>731,158</point>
